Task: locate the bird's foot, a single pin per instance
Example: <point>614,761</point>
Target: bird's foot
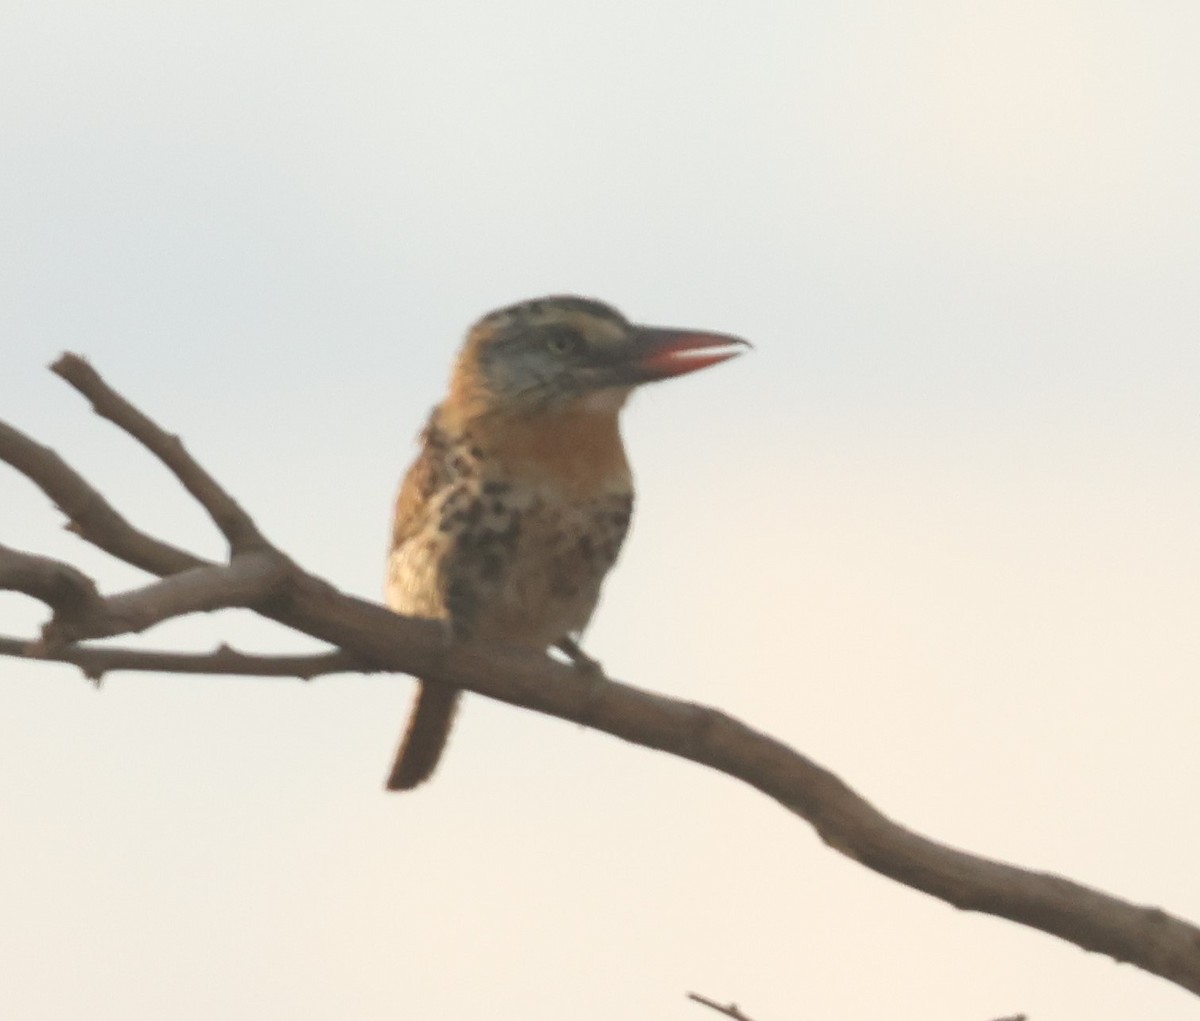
<point>580,660</point>
<point>590,671</point>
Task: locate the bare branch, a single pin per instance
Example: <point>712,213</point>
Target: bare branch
<point>1147,937</point>
<point>729,1010</point>
<point>80,612</point>
<point>91,516</point>
<point>67,591</point>
<point>372,635</point>
<point>235,524</point>
<point>249,579</point>
<point>95,662</point>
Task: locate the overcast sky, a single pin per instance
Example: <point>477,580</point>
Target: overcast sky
<point>939,531</point>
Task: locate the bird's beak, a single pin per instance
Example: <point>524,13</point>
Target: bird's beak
<point>655,353</point>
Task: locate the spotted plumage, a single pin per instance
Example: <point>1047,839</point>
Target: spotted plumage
<point>519,501</point>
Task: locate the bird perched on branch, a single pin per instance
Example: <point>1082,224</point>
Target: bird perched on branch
<point>520,497</point>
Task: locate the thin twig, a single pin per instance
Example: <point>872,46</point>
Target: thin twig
<point>67,591</point>
<point>80,612</point>
<point>90,516</point>
<point>235,524</point>
<point>249,579</point>
<point>95,520</point>
<point>729,1010</point>
<point>96,661</point>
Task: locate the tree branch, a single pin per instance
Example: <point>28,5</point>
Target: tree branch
<point>90,516</point>
<point>68,592</point>
<point>95,661</point>
<point>249,579</point>
<point>235,524</point>
<point>80,613</point>
<point>729,1009</point>
<point>375,638</point>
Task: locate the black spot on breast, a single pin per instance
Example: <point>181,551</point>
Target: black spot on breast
<point>462,601</point>
<point>585,547</point>
<point>509,536</point>
<point>562,586</point>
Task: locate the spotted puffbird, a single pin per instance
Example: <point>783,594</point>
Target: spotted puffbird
<point>520,497</point>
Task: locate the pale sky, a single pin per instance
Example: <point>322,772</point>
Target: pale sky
<point>939,531</point>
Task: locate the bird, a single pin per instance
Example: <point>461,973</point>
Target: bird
<point>520,496</point>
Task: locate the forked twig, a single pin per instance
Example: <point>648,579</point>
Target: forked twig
<point>235,524</point>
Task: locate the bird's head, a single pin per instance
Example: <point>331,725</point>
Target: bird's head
<point>563,352</point>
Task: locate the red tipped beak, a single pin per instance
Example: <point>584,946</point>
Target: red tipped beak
<point>661,354</point>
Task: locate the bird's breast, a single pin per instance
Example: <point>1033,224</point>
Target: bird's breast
<point>538,557</point>
<point>521,523</point>
<point>507,560</point>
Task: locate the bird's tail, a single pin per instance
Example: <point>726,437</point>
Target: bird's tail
<point>425,737</point>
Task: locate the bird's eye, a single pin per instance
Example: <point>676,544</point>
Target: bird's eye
<point>563,341</point>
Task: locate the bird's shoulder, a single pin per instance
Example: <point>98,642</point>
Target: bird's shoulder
<point>443,458</point>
